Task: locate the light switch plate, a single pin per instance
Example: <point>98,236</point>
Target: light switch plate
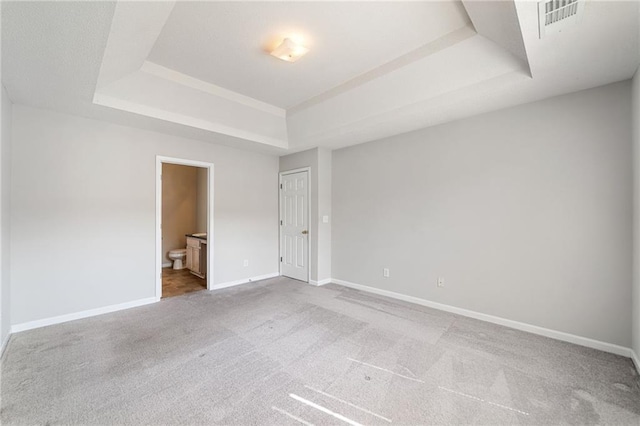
<point>325,219</point>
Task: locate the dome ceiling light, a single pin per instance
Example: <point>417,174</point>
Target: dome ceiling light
<point>289,51</point>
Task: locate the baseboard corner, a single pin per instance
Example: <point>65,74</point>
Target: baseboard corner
<point>320,282</point>
<point>4,345</point>
<point>636,360</point>
<point>244,281</point>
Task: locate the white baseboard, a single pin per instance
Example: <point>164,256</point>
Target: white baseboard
<point>83,314</point>
<point>167,264</point>
<point>321,282</point>
<point>558,335</point>
<point>5,342</point>
<point>636,361</point>
<point>244,281</point>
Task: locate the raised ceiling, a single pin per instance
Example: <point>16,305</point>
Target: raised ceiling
<point>375,69</point>
<point>225,43</point>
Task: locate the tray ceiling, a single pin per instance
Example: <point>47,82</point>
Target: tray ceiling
<point>375,69</point>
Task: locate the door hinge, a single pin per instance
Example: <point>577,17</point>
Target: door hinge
<point>280,223</point>
<point>281,259</point>
<point>280,186</point>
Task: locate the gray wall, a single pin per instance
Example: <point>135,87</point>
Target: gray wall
<point>179,201</point>
<point>635,121</point>
<point>5,215</point>
<point>525,212</point>
<point>84,208</point>
<point>319,160</point>
<point>324,209</point>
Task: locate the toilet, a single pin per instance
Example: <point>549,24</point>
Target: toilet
<point>178,256</point>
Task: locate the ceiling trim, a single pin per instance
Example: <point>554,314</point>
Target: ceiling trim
<point>194,83</point>
<point>187,120</point>
<point>428,49</point>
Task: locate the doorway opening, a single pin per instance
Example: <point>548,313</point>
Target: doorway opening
<point>295,238</point>
<point>184,226</point>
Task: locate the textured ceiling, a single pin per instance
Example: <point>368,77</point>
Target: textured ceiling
<point>224,42</point>
<point>52,52</point>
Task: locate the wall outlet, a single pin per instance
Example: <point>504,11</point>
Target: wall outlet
<point>385,272</point>
<point>440,281</point>
<point>246,262</point>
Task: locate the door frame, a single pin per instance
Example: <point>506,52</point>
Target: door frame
<point>309,235</point>
<point>210,249</point>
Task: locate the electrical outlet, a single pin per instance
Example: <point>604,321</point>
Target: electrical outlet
<point>246,262</point>
<point>440,281</point>
<point>385,272</point>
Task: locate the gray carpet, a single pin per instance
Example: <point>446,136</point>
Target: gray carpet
<point>282,352</point>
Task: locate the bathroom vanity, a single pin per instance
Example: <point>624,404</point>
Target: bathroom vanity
<point>197,254</point>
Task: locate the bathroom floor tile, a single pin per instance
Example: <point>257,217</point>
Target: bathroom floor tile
<point>177,282</point>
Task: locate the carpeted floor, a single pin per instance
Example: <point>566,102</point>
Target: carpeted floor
<point>282,352</point>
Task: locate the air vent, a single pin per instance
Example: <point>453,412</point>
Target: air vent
<point>556,15</point>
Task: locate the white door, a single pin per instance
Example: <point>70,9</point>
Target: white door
<point>294,225</point>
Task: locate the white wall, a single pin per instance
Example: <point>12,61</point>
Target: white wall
<point>84,210</point>
<point>526,213</point>
<point>635,120</point>
<point>201,200</point>
<point>5,216</point>
<point>319,160</point>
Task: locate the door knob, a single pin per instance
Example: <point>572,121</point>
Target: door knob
<point>305,232</point>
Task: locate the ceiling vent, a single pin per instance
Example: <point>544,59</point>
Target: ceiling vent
<point>556,15</point>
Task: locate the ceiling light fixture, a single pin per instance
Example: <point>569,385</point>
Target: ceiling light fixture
<point>289,51</point>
